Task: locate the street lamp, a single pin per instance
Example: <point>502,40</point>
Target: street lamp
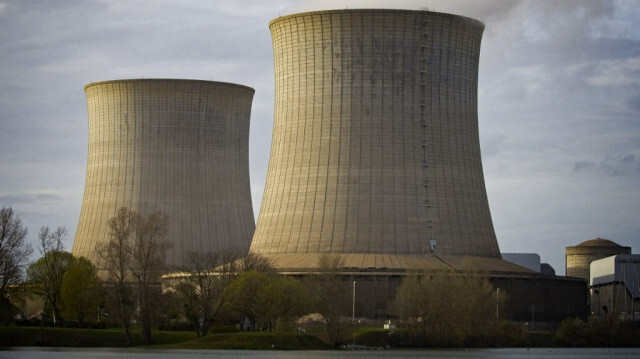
<point>497,304</point>
<point>597,292</point>
<point>353,313</point>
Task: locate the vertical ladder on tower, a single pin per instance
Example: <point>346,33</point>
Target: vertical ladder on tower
<point>423,53</point>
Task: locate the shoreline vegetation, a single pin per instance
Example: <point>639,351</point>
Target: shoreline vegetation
<point>571,333</point>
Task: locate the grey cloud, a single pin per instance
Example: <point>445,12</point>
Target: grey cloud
<point>493,144</point>
<point>634,102</point>
<point>624,72</point>
<point>23,198</point>
<point>613,166</point>
<point>623,24</point>
<point>583,165</point>
<point>621,166</point>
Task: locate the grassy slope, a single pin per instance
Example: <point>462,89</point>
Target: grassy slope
<point>252,340</point>
<point>375,337</point>
<point>70,337</point>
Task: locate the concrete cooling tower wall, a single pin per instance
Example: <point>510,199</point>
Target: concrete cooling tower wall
<point>177,146</point>
<point>375,145</point>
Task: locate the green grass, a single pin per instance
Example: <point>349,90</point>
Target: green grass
<point>228,338</point>
<point>252,340</point>
<point>74,337</point>
<point>114,338</point>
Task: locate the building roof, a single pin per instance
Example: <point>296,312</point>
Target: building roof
<point>620,268</point>
<point>599,242</point>
<point>527,260</point>
<point>358,262</point>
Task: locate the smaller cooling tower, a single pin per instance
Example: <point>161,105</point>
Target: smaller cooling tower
<point>177,146</point>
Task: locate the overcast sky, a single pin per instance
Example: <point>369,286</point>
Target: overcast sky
<point>559,101</point>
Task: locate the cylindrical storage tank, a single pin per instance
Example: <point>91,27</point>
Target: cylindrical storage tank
<point>176,146</point>
<point>375,144</point>
<point>578,258</point>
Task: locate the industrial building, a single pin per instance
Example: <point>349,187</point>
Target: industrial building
<point>527,260</point>
<point>176,146</point>
<point>530,261</point>
<point>578,258</point>
<point>376,157</point>
<point>615,287</point>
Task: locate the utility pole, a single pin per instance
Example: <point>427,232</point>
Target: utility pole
<point>497,305</point>
<point>353,313</point>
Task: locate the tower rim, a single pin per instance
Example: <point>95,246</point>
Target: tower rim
<point>469,20</point>
<point>151,80</point>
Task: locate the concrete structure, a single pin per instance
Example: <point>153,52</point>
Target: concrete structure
<point>375,157</point>
<point>541,300</point>
<point>527,260</point>
<point>615,286</point>
<point>578,258</point>
<point>177,146</point>
<point>547,269</point>
<point>375,151</point>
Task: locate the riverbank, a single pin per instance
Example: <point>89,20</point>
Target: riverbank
<point>15,336</point>
<point>12,336</point>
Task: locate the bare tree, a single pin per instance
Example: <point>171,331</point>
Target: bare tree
<point>203,288</point>
<point>330,295</point>
<point>14,256</point>
<point>136,254</point>
<point>148,265</point>
<point>447,308</point>
<point>46,274</point>
<point>256,262</point>
<point>115,257</point>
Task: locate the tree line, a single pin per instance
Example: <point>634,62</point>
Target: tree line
<point>127,285</point>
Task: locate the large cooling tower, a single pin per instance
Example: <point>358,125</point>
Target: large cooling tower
<point>375,150</point>
<point>177,146</point>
